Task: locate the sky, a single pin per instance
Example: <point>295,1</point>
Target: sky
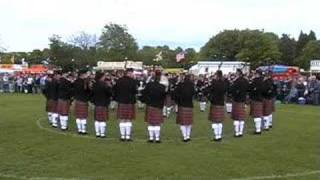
<point>27,24</point>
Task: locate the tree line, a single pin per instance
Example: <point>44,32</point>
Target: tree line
<point>116,44</point>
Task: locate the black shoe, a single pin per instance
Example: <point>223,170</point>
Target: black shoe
<point>150,141</point>
<point>266,129</point>
<point>240,135</point>
<point>80,133</point>
<point>122,139</point>
<point>97,136</point>
<point>158,141</point>
<point>270,126</point>
<point>185,140</point>
<point>236,136</point>
<point>129,140</point>
<point>102,136</point>
<point>257,133</point>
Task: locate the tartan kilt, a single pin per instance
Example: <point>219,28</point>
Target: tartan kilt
<point>238,111</point>
<point>184,116</point>
<point>51,106</point>
<point>267,107</point>
<point>216,113</point>
<point>256,109</point>
<point>153,116</point>
<point>126,111</point>
<point>81,110</point>
<point>63,107</point>
<point>101,113</point>
<point>168,101</point>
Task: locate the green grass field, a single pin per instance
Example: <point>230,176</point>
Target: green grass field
<point>30,149</point>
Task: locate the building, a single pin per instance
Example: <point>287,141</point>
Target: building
<point>210,67</point>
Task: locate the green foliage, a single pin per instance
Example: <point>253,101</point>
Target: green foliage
<point>310,51</point>
<point>117,44</point>
<point>252,46</point>
<point>287,47</point>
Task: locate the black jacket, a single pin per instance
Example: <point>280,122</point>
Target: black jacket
<point>217,92</point>
<point>154,94</point>
<point>125,90</point>
<point>269,89</point>
<point>239,89</point>
<point>51,90</point>
<point>184,94</point>
<point>81,90</point>
<point>256,89</point>
<point>101,94</point>
<point>65,89</point>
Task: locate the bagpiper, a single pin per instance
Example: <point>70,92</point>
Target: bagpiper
<point>217,91</point>
<point>65,91</point>
<point>239,91</point>
<point>101,96</point>
<point>154,96</point>
<point>256,106</point>
<point>184,98</point>
<point>81,96</point>
<point>125,91</point>
<point>268,95</point>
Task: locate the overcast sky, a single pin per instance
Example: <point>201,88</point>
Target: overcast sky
<point>26,24</point>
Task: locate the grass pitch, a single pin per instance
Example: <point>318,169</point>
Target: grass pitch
<point>31,149</point>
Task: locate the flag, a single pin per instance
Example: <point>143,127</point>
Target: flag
<point>180,56</point>
<point>158,57</point>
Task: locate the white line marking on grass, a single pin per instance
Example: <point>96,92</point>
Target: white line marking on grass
<point>307,173</point>
<point>289,175</point>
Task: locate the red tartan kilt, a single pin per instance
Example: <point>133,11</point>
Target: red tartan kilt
<point>216,113</point>
<point>238,111</point>
<point>267,107</point>
<point>81,110</point>
<point>184,116</point>
<point>168,101</point>
<point>153,116</point>
<point>63,107</point>
<point>126,111</point>
<point>256,109</point>
<point>101,113</point>
<point>51,106</point>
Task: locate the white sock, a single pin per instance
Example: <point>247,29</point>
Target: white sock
<point>176,108</point>
<point>64,122</point>
<point>257,122</point>
<point>54,118</point>
<point>270,120</point>
<point>229,107</point>
<point>164,111</point>
<point>241,127</point>
<point>97,128</point>
<point>102,126</point>
<point>168,111</point>
<point>203,106</point>
<point>236,127</point>
<point>188,128</point>
<point>128,129</point>
<point>220,127</point>
<point>122,129</point>
<point>183,131</point>
<point>157,132</point>
<point>151,133</point>
<point>83,125</point>
<point>266,122</point>
<point>79,126</point>
<point>215,129</point>
<point>50,117</point>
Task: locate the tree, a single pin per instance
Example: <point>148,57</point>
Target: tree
<point>117,44</point>
<point>83,40</point>
<point>310,51</point>
<point>303,40</point>
<point>254,46</point>
<point>287,47</point>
